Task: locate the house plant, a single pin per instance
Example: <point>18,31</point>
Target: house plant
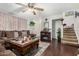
<point>32,24</point>
<point>59,35</point>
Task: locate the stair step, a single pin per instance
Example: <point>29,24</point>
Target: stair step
<point>66,36</point>
<point>66,29</point>
<point>69,32</point>
<point>70,40</point>
<point>69,37</point>
<point>70,43</point>
<point>73,34</point>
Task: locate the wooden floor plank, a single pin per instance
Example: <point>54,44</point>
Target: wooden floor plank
<point>59,49</point>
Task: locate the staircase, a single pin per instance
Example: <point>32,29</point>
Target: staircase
<point>69,37</point>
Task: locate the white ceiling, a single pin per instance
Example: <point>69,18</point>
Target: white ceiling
<point>50,9</point>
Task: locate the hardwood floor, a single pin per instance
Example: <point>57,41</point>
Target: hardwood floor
<point>59,49</point>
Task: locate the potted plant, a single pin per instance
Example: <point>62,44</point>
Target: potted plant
<point>59,35</point>
<point>32,24</point>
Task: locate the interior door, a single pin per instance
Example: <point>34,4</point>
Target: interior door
<point>53,28</point>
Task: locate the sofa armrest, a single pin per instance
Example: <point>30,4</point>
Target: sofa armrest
<point>7,53</point>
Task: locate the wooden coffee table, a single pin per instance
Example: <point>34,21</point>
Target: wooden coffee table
<point>25,47</point>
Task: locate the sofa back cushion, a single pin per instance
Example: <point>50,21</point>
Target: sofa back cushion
<point>15,34</point>
<point>0,34</point>
<point>9,34</point>
<point>24,33</point>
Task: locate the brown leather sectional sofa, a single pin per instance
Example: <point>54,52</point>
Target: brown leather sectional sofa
<point>8,35</point>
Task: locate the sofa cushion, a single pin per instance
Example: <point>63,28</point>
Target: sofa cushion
<point>2,48</point>
<point>15,34</point>
<point>0,34</point>
<point>24,33</point>
<point>9,34</point>
<point>2,42</point>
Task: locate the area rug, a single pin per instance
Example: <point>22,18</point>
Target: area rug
<point>43,46</point>
<point>36,52</point>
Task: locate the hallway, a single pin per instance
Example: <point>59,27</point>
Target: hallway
<point>59,49</point>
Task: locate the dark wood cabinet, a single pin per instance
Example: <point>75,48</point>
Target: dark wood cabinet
<point>45,36</point>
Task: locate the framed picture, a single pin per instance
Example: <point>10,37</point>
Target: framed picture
<point>46,25</point>
<point>69,13</point>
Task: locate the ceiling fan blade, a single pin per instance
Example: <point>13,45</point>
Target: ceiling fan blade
<point>31,5</point>
<point>34,12</point>
<point>24,10</point>
<point>21,4</point>
<point>40,9</point>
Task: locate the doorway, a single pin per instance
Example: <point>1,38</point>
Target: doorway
<point>53,28</point>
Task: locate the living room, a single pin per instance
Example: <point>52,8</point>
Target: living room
<point>36,29</point>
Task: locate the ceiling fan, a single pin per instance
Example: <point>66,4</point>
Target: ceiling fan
<point>31,6</point>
